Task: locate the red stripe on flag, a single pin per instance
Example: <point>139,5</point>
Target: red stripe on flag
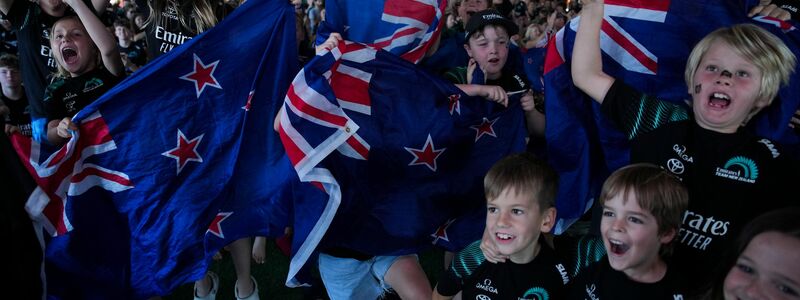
<point>410,9</point>
<point>660,5</point>
<point>552,59</point>
<point>397,35</point>
<point>292,151</point>
<point>350,88</point>
<point>89,171</point>
<point>630,47</point>
<point>314,112</point>
<point>358,147</point>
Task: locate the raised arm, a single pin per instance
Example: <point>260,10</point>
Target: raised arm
<point>587,63</point>
<point>100,6</point>
<point>102,38</point>
<point>5,6</point>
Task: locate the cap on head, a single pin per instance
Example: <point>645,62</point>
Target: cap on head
<point>489,17</point>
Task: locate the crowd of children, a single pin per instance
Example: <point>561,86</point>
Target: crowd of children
<point>701,233</point>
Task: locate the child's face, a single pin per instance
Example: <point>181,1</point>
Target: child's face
<point>122,33</point>
<point>72,47</point>
<point>9,77</point>
<point>514,221</point>
<point>725,89</point>
<point>769,268</point>
<point>490,49</point>
<point>55,8</point>
<point>630,235</point>
<point>139,21</point>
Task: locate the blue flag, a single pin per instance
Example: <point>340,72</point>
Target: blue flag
<point>400,154</point>
<point>172,164</point>
<point>646,44</point>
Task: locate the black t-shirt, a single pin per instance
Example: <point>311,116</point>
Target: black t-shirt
<point>33,40</point>
<point>20,114</point>
<point>66,96</point>
<point>545,277</point>
<point>135,52</point>
<point>731,178</point>
<point>601,282</point>
<point>167,32</point>
<point>509,81</point>
<point>35,62</point>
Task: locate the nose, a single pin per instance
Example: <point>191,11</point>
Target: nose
<point>502,220</point>
<point>725,78</point>
<point>753,290</point>
<point>618,225</point>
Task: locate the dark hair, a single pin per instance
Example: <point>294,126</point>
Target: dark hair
<point>522,173</point>
<point>655,190</point>
<point>783,220</point>
<point>9,61</point>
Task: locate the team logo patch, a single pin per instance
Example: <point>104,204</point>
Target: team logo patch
<point>739,168</point>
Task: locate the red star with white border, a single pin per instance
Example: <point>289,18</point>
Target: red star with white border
<point>426,156</point>
<point>185,151</point>
<point>455,105</point>
<point>202,75</point>
<point>247,105</point>
<point>441,232</point>
<point>215,228</point>
<point>485,128</point>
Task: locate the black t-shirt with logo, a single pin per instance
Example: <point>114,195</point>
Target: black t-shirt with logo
<point>509,81</point>
<point>20,113</point>
<point>601,282</point>
<point>545,277</point>
<point>731,178</point>
<point>135,52</point>
<point>66,96</point>
<point>168,32</point>
<point>33,42</point>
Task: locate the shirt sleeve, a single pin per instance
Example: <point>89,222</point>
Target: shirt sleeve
<point>636,113</point>
<point>463,265</point>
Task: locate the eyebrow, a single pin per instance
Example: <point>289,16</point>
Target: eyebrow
<point>779,276</point>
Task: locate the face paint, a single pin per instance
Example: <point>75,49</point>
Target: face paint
<point>697,88</point>
<point>726,73</point>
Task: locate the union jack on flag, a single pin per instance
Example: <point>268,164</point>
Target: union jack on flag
<point>645,43</point>
<point>185,158</point>
<point>400,167</point>
<point>404,27</point>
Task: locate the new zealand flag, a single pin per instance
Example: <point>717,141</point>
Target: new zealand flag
<point>400,153</point>
<point>172,164</point>
<point>646,44</point>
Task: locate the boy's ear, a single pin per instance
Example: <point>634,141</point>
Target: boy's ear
<point>469,51</point>
<point>548,219</point>
<point>667,236</point>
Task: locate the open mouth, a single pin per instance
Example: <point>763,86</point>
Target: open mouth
<point>617,247</point>
<point>494,60</point>
<point>504,237</point>
<point>719,100</point>
<point>69,55</point>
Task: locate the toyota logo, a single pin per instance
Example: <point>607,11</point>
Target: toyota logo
<point>482,297</point>
<point>675,166</point>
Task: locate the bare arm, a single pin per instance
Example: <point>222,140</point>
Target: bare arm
<point>102,38</point>
<point>587,63</point>
<point>100,6</point>
<point>5,6</point>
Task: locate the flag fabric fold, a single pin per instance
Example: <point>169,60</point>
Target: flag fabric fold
<point>172,164</point>
<point>583,146</point>
<point>399,153</point>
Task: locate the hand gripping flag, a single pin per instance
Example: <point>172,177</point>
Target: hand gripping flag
<point>646,44</point>
<point>172,164</point>
<point>399,153</point>
<point>403,27</point>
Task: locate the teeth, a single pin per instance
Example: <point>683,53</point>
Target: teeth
<point>615,242</point>
<point>504,236</point>
<point>721,96</point>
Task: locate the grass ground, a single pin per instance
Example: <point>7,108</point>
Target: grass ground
<point>272,275</point>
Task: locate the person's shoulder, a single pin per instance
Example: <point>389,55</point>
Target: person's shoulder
<point>468,259</point>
